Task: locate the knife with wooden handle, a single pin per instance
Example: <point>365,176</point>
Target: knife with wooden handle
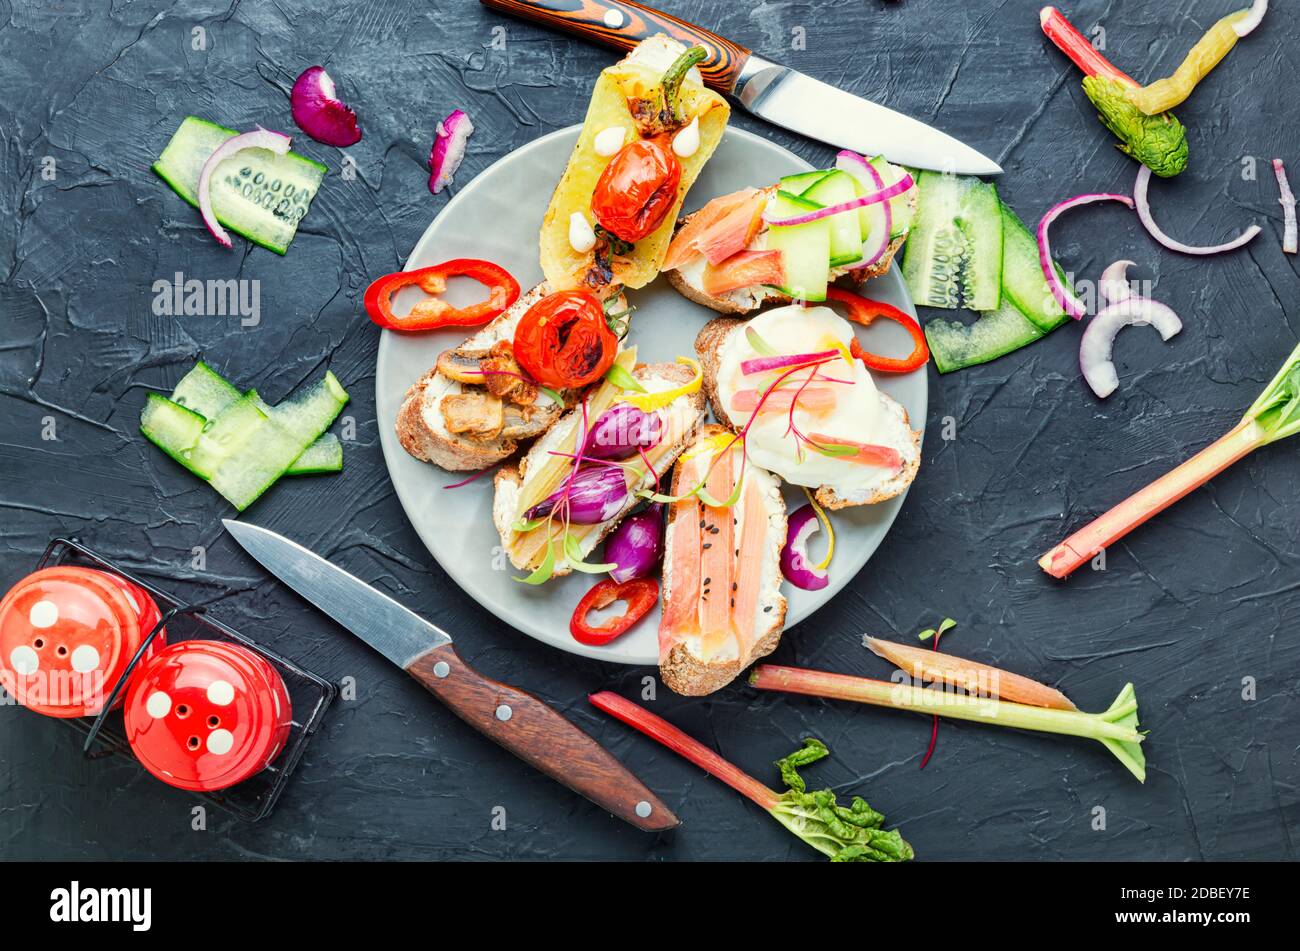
<point>515,719</point>
<point>776,93</point>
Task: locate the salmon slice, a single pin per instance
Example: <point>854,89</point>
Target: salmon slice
<point>681,610</point>
<point>744,269</point>
<point>814,398</point>
<point>749,564</point>
<point>718,226</point>
<point>867,454</point>
<point>716,560</point>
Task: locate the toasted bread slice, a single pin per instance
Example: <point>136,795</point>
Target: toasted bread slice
<point>690,662</point>
<point>422,424</point>
<point>682,418</point>
<point>688,279</point>
<point>709,343</point>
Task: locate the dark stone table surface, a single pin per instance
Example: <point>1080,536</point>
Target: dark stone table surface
<point>1194,608</point>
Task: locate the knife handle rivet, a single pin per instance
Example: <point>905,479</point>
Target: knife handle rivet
<point>613,18</point>
<point>504,712</point>
<point>441,669</point>
<point>643,809</point>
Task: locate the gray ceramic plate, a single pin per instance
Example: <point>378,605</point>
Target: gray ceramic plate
<point>497,216</point>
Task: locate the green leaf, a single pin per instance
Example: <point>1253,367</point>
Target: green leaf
<point>573,556</point>
<point>624,380</point>
<point>707,498</point>
<point>850,833</point>
<point>1158,142</point>
<point>553,394</point>
<point>544,570</point>
<point>833,450</point>
<point>527,524</point>
<point>947,624</point>
<point>1277,410</point>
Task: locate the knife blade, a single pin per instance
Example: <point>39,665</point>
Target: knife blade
<point>778,94</point>
<point>516,720</point>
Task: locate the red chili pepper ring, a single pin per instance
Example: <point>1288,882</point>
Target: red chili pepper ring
<point>640,595</point>
<point>862,310</point>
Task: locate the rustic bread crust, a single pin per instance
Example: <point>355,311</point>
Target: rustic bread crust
<point>708,346</point>
<point>681,670</point>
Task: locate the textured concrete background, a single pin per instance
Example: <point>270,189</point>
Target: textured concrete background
<point>1189,605</point>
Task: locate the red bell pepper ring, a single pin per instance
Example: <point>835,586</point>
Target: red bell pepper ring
<point>862,310</point>
<point>640,595</point>
<point>430,314</point>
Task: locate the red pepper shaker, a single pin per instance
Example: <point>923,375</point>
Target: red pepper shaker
<point>67,634</point>
<point>204,715</point>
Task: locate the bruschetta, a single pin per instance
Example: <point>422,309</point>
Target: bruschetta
<point>650,128</point>
<point>475,406</point>
<point>532,540</point>
<point>731,256</point>
<point>721,590</point>
<point>822,422</point>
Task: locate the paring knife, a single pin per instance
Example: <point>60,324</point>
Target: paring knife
<point>782,96</point>
<point>520,722</point>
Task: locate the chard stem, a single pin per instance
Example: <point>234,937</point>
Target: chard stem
<point>1109,528</point>
<point>901,696</point>
<point>657,728</point>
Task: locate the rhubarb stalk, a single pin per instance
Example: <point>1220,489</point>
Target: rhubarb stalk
<point>1275,415</point>
<point>1116,728</point>
<point>844,833</point>
<point>1107,529</point>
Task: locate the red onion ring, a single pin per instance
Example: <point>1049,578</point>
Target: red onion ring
<point>1099,337</point>
<point>1291,237</point>
<point>858,166</point>
<point>1069,303</point>
<point>319,112</point>
<point>276,142</point>
<point>904,184</point>
<point>1148,222</point>
<point>448,149</point>
<point>1246,25</point>
<point>1114,285</point>
<point>796,566</point>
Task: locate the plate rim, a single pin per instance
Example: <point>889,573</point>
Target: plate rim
<point>389,444</point>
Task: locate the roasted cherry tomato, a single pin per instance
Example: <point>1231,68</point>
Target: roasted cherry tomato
<point>637,189</point>
<point>67,634</point>
<point>564,341</point>
<point>204,715</point>
<point>863,311</point>
<point>640,595</point>
<point>434,312</point>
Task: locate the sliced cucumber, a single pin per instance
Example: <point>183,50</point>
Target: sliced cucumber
<point>205,391</point>
<point>275,444</point>
<point>980,218</point>
<point>208,393</point>
<point>1022,275</point>
<point>798,184</point>
<point>954,251</point>
<point>805,249</point>
<point>324,455</point>
<point>901,207</point>
<point>956,345</point>
<point>256,193</point>
<point>171,427</point>
<point>835,188</point>
<point>225,436</point>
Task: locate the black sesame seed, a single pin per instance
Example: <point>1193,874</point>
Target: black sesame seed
<point>707,545</point>
<point>766,609</point>
<point>706,582</point>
